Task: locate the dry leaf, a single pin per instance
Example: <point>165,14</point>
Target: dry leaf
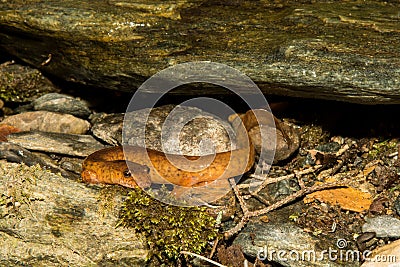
<point>347,198</point>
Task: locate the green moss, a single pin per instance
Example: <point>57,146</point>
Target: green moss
<point>386,146</point>
<point>168,229</point>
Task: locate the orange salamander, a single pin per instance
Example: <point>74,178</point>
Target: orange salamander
<point>147,166</point>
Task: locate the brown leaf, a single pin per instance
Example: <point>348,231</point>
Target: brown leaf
<point>347,198</point>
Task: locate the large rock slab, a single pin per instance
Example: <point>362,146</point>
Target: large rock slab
<point>22,84</point>
<point>341,50</point>
<point>48,220</point>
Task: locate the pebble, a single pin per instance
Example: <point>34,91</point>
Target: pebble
<point>61,103</point>
<point>383,226</point>
<point>60,143</point>
<point>48,122</point>
<point>283,148</point>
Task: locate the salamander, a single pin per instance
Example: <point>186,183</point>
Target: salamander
<point>147,166</point>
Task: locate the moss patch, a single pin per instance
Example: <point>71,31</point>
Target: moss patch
<point>168,229</point>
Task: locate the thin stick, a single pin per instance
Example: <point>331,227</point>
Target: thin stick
<point>286,200</point>
<point>214,248</point>
<point>203,258</point>
<point>238,195</point>
<point>267,181</point>
<point>302,192</point>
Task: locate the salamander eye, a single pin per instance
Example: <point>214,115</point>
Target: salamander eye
<point>127,173</point>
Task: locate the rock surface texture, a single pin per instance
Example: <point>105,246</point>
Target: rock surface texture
<point>345,50</point>
<point>51,221</point>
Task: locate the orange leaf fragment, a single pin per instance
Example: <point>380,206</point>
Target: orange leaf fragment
<point>5,130</point>
<point>347,198</point>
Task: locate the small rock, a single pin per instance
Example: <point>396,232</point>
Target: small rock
<point>62,104</point>
<point>323,154</point>
<point>265,240</point>
<point>331,147</point>
<point>48,122</point>
<point>60,143</point>
<point>22,109</point>
<point>183,134</point>
<point>108,127</point>
<point>383,226</point>
<point>284,148</point>
<point>283,188</point>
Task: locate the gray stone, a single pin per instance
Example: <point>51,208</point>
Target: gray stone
<point>185,131</point>
<point>48,220</point>
<point>383,226</point>
<point>15,153</point>
<point>108,127</point>
<point>188,130</point>
<point>65,144</point>
<point>62,104</point>
<point>71,164</point>
<point>339,50</point>
<point>285,244</point>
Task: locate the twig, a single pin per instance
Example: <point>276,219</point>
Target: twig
<point>342,161</point>
<point>239,197</point>
<point>203,258</point>
<point>302,192</point>
<point>214,248</point>
<point>259,198</point>
<point>267,181</point>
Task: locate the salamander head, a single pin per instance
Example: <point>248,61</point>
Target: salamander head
<point>117,172</point>
<point>90,176</point>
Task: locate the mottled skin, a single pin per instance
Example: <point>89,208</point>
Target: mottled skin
<point>150,166</point>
